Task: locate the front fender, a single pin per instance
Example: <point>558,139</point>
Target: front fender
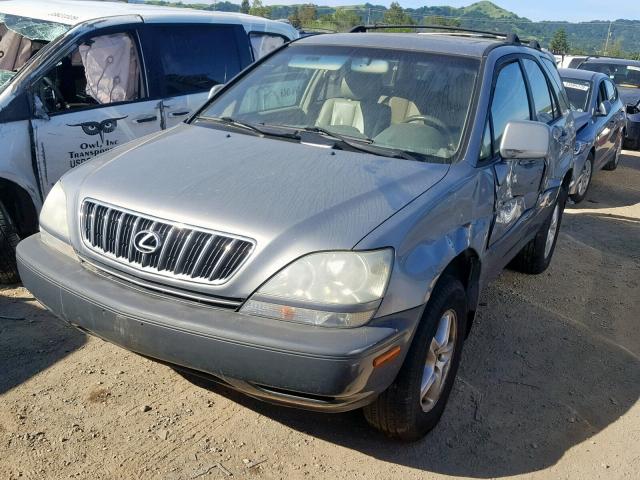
<point>454,216</point>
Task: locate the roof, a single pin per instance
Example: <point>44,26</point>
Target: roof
<point>576,74</point>
<point>612,60</point>
<point>472,46</point>
<point>73,12</point>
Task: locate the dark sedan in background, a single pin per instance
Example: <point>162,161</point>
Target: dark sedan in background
<point>626,75</point>
<point>600,125</point>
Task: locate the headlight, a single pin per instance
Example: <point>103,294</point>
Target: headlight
<point>330,289</point>
<point>53,217</point>
<point>580,147</point>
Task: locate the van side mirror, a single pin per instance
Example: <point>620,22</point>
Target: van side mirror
<point>215,89</point>
<point>604,109</point>
<point>525,140</point>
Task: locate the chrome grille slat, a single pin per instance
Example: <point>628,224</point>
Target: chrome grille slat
<point>118,233</point>
<point>186,253</point>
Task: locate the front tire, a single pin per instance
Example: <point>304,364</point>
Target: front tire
<point>8,242</point>
<point>613,163</point>
<point>584,180</point>
<point>415,401</point>
<point>536,255</point>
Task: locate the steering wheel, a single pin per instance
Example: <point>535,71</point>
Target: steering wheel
<point>433,122</point>
<point>51,95</point>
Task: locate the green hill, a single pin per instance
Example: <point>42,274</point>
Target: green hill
<point>584,37</point>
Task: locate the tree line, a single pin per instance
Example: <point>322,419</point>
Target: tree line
<point>619,39</point>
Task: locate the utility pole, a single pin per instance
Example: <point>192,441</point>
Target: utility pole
<point>606,43</point>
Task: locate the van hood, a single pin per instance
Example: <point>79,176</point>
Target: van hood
<point>290,198</point>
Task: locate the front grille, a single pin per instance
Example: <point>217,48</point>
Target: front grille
<point>185,252</point>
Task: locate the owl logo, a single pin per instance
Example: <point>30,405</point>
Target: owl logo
<point>99,128</point>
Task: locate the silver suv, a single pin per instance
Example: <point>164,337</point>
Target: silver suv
<point>319,233</point>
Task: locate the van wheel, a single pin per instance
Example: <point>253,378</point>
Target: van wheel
<point>536,255</point>
<point>8,242</point>
<point>415,401</point>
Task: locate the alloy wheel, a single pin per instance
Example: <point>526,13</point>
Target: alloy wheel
<point>551,233</point>
<point>439,359</point>
<point>585,178</point>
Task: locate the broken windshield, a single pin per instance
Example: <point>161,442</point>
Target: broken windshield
<point>20,39</point>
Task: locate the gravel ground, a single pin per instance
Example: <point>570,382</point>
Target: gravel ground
<point>548,387</point>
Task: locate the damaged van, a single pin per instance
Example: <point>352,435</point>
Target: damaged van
<point>78,78</point>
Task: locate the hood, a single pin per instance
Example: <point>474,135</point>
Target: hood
<point>289,197</point>
<point>629,96</point>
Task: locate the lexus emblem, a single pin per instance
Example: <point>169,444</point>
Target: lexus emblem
<point>147,241</point>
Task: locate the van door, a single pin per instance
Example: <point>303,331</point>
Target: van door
<point>188,59</point>
<point>92,100</point>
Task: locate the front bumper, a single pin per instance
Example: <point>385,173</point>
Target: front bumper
<point>296,365</point>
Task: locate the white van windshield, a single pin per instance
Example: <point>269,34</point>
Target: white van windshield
<point>401,100</point>
<point>20,39</point>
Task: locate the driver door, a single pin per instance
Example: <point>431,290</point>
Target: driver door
<point>90,101</point>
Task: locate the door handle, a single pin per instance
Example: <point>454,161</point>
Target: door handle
<point>150,118</point>
<point>182,113</point>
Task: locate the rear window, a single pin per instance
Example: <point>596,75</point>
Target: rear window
<point>194,58</point>
<point>578,93</point>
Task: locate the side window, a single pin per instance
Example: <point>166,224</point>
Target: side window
<point>264,43</point>
<point>612,93</point>
<point>510,100</point>
<point>542,99</point>
<point>486,149</point>
<point>556,84</point>
<point>194,58</point>
<point>101,70</point>
<point>602,92</point>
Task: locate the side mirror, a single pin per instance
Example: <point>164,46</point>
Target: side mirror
<point>525,140</point>
<point>604,108</point>
<point>215,89</point>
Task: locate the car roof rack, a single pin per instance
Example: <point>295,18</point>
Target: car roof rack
<point>508,37</point>
<point>381,26</point>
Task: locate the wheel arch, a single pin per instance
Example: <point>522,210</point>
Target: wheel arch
<point>466,267</point>
<point>20,205</point>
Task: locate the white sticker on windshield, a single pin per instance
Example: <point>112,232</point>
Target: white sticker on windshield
<point>633,67</point>
<point>576,86</point>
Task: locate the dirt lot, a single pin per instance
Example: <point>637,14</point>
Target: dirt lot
<point>548,388</point>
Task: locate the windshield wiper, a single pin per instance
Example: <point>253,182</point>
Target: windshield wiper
<point>262,130</point>
<point>363,144</point>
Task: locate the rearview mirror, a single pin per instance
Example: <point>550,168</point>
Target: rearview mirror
<point>525,140</point>
<point>215,89</point>
<point>604,108</point>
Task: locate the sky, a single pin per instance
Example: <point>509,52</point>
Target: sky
<point>570,10</point>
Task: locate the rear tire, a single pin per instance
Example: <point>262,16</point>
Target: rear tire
<point>415,401</point>
<point>8,242</point>
<point>536,255</point>
<point>584,181</point>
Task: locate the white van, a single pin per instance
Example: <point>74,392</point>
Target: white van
<point>78,78</point>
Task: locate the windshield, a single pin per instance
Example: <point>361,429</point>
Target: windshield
<point>625,76</point>
<point>399,100</point>
<point>20,39</point>
<point>578,93</point>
